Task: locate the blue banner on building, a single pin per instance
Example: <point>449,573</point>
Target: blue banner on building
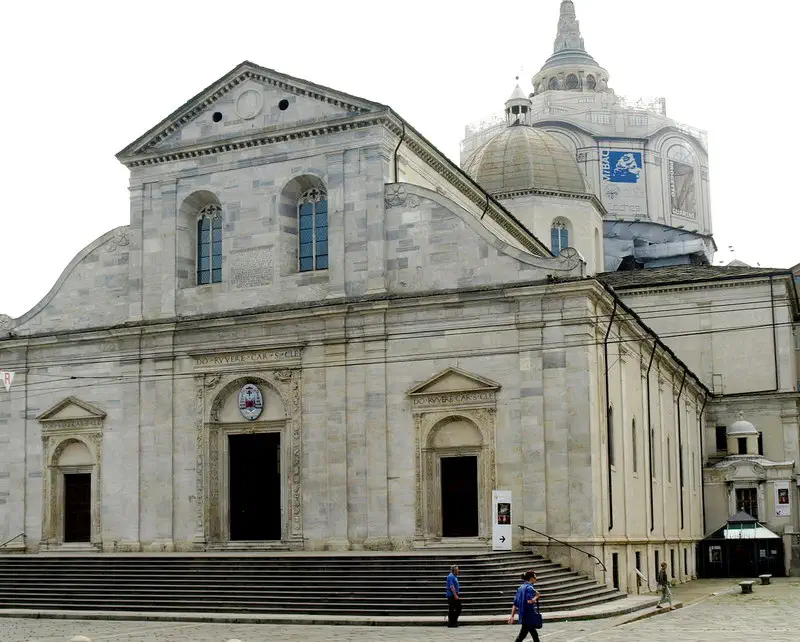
<point>621,166</point>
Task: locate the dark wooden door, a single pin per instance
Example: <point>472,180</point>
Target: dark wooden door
<point>459,496</point>
<point>255,487</point>
<point>78,507</point>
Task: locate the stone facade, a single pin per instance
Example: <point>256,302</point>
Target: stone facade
<point>439,326</point>
<point>735,327</point>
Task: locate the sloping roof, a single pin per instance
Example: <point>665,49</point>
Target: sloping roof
<point>742,518</point>
<point>675,274</point>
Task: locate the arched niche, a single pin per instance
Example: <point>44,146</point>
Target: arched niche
<point>219,418</point>
<point>186,251</point>
<point>288,216</point>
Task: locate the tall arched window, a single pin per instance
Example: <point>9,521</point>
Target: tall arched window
<point>635,446</point>
<point>559,236</point>
<point>209,245</point>
<point>312,214</point>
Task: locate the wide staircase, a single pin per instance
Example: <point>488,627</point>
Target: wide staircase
<point>347,585</point>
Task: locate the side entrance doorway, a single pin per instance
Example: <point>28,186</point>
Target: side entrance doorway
<point>459,496</point>
<point>77,507</point>
<point>255,486</point>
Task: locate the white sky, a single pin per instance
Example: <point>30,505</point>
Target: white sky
<point>81,80</point>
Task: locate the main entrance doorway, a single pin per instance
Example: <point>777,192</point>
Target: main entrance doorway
<point>77,507</point>
<point>459,496</point>
<point>255,486</point>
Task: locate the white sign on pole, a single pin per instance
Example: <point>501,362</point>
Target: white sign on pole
<point>7,378</point>
<point>501,520</point>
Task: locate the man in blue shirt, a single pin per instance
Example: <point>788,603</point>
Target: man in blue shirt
<point>453,598</point>
<point>525,603</point>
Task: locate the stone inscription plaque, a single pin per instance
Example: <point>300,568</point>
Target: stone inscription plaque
<point>251,268</point>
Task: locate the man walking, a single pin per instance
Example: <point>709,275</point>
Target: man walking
<point>453,598</point>
<point>663,582</point>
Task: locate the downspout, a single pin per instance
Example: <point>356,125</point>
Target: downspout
<point>609,427</point>
<point>680,448</point>
<point>702,466</point>
<point>650,441</point>
<point>774,338</point>
<point>396,149</point>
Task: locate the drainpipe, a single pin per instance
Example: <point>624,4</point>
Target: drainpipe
<point>396,149</point>
<point>774,338</point>
<point>609,427</point>
<point>650,441</point>
<point>680,448</point>
<point>702,465</point>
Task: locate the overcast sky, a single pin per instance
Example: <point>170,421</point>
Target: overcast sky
<point>81,80</point>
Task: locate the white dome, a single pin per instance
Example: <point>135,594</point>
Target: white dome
<point>741,428</point>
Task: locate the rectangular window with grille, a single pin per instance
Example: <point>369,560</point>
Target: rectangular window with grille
<point>747,501</point>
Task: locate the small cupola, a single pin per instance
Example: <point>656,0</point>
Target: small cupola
<point>518,107</point>
<point>742,437</point>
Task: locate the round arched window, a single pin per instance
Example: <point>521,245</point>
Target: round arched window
<point>553,83</point>
<point>572,81</point>
<point>591,82</point>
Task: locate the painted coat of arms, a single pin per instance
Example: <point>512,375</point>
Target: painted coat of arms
<point>251,402</point>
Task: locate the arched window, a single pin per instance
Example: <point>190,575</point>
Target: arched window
<point>572,81</point>
<point>559,236</point>
<point>209,245</point>
<point>635,446</point>
<point>591,83</point>
<point>312,215</point>
<point>553,83</point>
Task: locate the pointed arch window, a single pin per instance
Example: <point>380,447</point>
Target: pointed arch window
<point>312,215</point>
<point>209,245</point>
<point>559,236</point>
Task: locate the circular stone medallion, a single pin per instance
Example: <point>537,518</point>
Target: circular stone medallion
<point>251,402</point>
<point>249,104</point>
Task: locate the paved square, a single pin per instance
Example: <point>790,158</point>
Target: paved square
<point>771,613</point>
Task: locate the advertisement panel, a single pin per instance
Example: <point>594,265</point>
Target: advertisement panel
<point>501,520</point>
<point>682,189</point>
<point>623,189</point>
<point>783,507</point>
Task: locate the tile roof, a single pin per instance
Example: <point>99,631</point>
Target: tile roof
<point>675,274</point>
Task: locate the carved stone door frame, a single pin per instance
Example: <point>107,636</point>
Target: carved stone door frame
<point>220,456</point>
<point>432,472</point>
<point>211,389</point>
<point>428,468</point>
<point>53,507</point>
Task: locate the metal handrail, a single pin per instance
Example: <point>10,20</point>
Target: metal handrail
<point>12,539</point>
<point>555,539</point>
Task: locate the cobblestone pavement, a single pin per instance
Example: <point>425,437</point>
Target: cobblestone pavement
<point>772,613</point>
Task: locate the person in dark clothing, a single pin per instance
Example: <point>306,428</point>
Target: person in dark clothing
<point>453,597</point>
<point>526,604</point>
<point>663,582</point>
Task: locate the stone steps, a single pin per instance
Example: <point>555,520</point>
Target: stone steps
<point>370,585</point>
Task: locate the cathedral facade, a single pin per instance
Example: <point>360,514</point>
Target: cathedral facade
<point>319,333</point>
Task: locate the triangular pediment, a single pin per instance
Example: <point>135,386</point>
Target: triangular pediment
<point>247,101</point>
<point>454,380</point>
<point>72,408</point>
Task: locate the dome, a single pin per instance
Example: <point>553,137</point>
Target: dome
<point>741,428</point>
<point>522,158</point>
